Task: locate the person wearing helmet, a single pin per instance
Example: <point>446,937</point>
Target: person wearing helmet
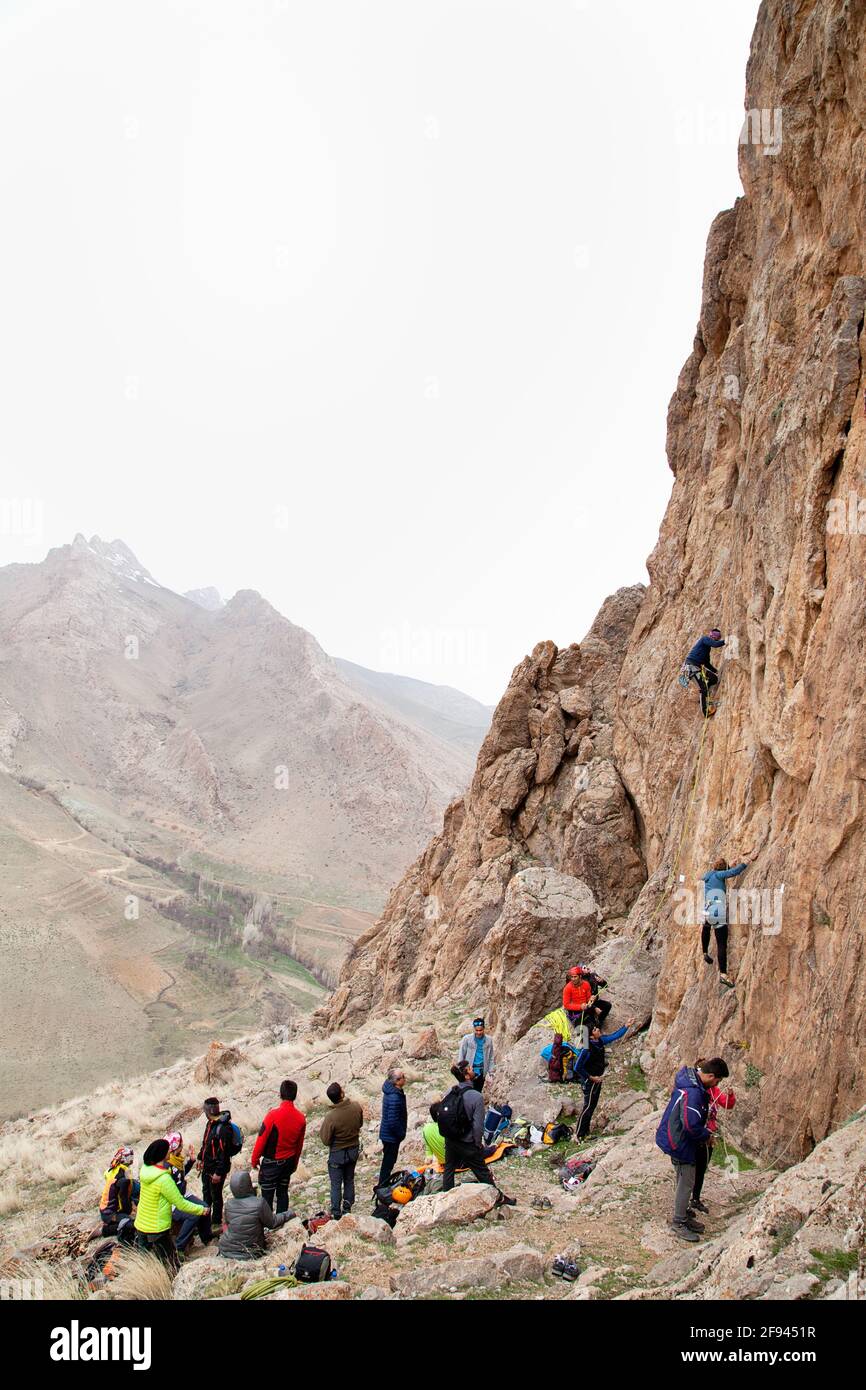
<point>119,1196</point>
<point>577,994</point>
<point>179,1165</point>
<point>699,667</point>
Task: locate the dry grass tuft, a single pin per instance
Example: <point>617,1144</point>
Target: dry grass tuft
<point>141,1276</point>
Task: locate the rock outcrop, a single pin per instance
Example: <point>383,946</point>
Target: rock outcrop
<point>543,847</point>
<point>597,765</point>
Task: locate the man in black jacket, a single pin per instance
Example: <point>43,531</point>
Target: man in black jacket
<point>215,1156</point>
<point>464,1150</point>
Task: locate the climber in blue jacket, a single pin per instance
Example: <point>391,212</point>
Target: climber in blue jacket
<point>699,667</point>
<point>716,914</point>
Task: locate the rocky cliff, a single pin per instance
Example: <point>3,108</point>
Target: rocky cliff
<point>598,794</point>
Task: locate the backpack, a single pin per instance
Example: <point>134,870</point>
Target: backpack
<point>554,1132</point>
<point>406,1177</point>
<point>235,1141</point>
<point>313,1265</point>
<point>454,1123</point>
<point>496,1121</point>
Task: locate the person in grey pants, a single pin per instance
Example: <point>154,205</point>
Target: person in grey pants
<point>341,1132</point>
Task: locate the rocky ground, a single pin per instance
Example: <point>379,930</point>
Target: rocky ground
<point>793,1235</point>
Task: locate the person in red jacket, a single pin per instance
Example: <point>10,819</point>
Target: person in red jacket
<point>727,1100</point>
<point>278,1147</point>
<point>577,994</point>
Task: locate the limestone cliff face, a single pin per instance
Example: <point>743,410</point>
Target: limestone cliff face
<point>766,441</point>
<point>541,850</point>
<point>594,766</point>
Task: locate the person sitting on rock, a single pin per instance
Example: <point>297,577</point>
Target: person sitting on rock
<point>682,1127</point>
<point>589,1068</point>
<point>699,667</point>
<point>179,1166</point>
<point>247,1217</point>
<point>576,995</point>
<point>119,1196</point>
<point>600,1008</point>
<point>158,1201</point>
<point>716,914</point>
<point>477,1049</point>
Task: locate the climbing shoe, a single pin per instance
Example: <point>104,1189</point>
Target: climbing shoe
<point>503,1201</point>
<point>565,1268</point>
<point>708,958</point>
<point>697,1205</point>
<point>683,1231</point>
<point>726,980</point>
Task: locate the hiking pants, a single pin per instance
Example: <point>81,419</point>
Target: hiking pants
<point>341,1171</point>
<point>274,1177</point>
<point>190,1224</point>
<point>721,943</point>
<point>389,1161</point>
<point>212,1191</point>
<point>602,1009</point>
<point>702,1163</point>
<point>684,1174</point>
<point>706,679</point>
<point>478,1080</point>
<point>463,1153</point>
<point>591,1093</point>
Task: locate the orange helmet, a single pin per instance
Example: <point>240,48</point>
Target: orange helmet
<point>401,1195</point>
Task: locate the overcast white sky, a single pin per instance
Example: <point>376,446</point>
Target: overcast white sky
<point>373,307</point>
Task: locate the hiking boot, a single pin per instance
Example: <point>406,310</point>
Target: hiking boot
<point>697,1205</point>
<point>683,1232</point>
<point>694,1225</point>
<point>708,958</point>
<point>503,1201</point>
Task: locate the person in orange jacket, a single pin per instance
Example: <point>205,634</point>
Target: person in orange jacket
<point>727,1100</point>
<point>577,994</point>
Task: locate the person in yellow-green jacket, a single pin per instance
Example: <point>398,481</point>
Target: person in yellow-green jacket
<point>159,1194</point>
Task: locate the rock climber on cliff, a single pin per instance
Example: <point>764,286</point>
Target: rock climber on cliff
<point>698,666</point>
<point>716,914</point>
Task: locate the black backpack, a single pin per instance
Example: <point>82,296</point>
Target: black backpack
<point>313,1265</point>
<point>453,1121</point>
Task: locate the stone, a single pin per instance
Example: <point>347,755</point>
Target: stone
<point>330,1291</point>
<point>520,1264</point>
<point>464,1203</point>
<point>216,1064</point>
<point>424,1045</point>
<point>356,1224</point>
<point>575,702</point>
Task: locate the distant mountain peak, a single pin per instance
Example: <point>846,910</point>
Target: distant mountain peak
<point>116,554</point>
<point>209,598</point>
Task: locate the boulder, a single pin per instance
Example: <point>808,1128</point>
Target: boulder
<point>463,1204</point>
<point>215,1065</point>
<point>575,702</point>
<point>519,1264</point>
<point>424,1045</point>
<point>548,919</point>
<point>355,1224</point>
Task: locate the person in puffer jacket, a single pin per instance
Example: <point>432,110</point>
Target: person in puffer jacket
<point>392,1125</point>
<point>682,1129</point>
<point>247,1216</point>
<point>159,1195</point>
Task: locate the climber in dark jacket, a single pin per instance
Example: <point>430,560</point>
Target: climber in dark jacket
<point>682,1129</point>
<point>700,666</point>
<point>392,1125</point>
<point>589,1069</point>
<point>247,1216</point>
